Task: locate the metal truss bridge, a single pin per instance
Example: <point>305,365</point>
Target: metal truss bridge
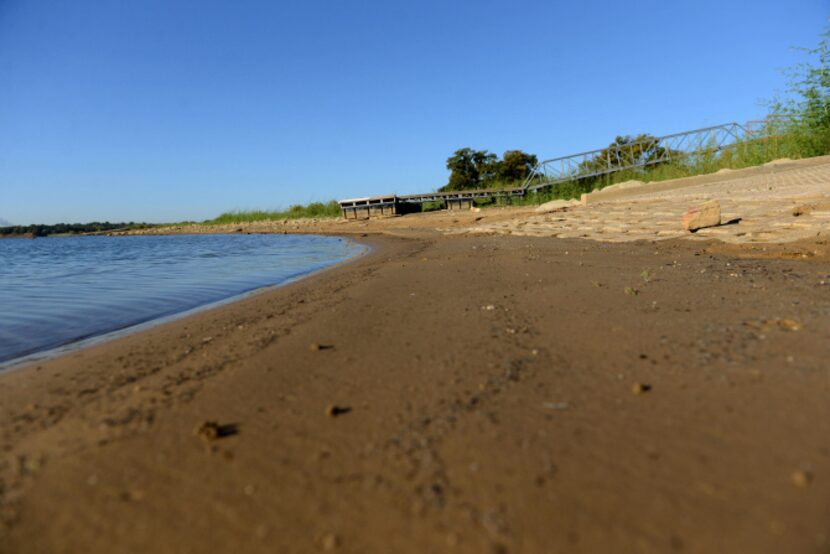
<point>688,147</point>
<point>679,147</point>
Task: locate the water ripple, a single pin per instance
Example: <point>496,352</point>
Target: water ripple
<point>58,290</point>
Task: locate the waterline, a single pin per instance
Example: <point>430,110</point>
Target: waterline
<point>75,291</point>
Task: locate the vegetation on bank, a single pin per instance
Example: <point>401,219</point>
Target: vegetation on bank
<point>40,230</point>
<point>314,209</point>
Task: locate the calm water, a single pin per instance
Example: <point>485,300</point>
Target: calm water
<point>55,291</point>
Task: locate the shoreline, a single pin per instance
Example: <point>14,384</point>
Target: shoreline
<point>487,384</point>
<point>47,354</point>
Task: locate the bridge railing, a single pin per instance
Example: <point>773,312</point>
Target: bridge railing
<point>648,151</point>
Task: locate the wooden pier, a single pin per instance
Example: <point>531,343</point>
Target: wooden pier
<point>393,205</point>
<point>374,206</point>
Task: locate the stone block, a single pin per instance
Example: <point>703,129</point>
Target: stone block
<point>704,215</point>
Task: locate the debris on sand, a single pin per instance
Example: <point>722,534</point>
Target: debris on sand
<point>316,347</point>
<point>765,325</point>
<point>801,478</point>
<point>704,215</point>
<point>210,430</point>
<point>640,388</point>
<point>334,410</point>
<point>329,541</point>
<point>789,325</point>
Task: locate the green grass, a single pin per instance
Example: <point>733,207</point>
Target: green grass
<point>432,206</point>
<point>313,210</point>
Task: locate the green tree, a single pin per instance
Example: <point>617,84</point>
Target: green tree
<point>516,165</point>
<point>474,169</point>
<point>468,168</point>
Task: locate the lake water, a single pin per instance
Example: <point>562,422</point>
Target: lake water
<point>59,290</point>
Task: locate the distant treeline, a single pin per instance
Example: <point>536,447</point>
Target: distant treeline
<point>40,230</point>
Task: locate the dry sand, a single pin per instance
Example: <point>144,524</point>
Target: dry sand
<point>448,394</point>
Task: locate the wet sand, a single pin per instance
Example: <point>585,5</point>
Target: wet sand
<point>448,394</point>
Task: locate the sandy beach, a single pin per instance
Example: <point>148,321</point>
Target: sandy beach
<point>414,278</point>
<point>469,394</point>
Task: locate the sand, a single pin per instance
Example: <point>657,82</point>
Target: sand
<point>448,394</point>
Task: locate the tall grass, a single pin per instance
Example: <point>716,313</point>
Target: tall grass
<point>313,210</point>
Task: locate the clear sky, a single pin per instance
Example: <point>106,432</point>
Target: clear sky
<point>165,110</point>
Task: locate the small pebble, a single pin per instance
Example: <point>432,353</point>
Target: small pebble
<point>801,478</point>
<point>329,541</point>
<point>208,430</point>
<point>640,388</point>
<point>789,324</point>
<point>334,411</point>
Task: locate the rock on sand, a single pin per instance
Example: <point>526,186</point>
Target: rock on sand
<point>556,205</point>
<point>704,215</point>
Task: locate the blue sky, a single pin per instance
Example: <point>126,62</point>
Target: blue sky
<point>152,110</point>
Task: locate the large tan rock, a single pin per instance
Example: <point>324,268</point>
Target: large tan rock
<point>556,205</point>
<point>705,215</point>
